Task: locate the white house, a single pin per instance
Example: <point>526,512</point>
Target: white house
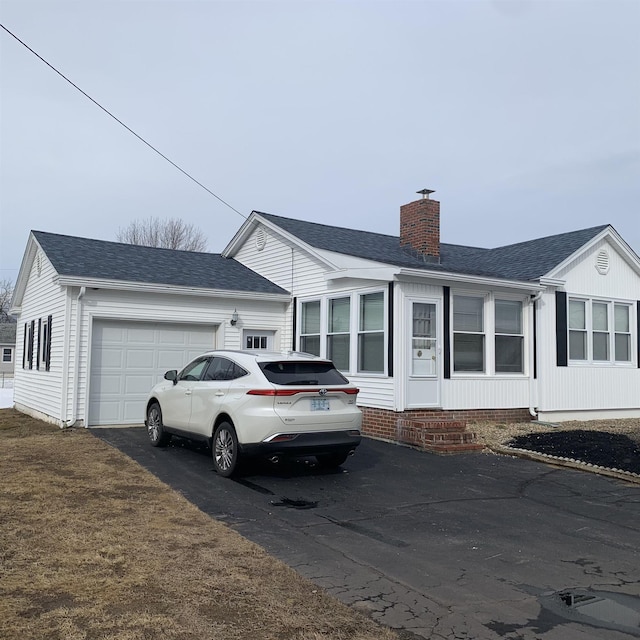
<point>546,328</point>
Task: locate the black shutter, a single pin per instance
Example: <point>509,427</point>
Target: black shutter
<point>390,336</point>
<point>24,345</point>
<point>294,316</point>
<point>32,330</point>
<point>446,330</point>
<point>39,343</point>
<point>47,346</point>
<point>562,351</point>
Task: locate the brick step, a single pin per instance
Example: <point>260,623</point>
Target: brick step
<point>439,436</point>
<point>438,425</point>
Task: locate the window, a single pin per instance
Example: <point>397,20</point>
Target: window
<point>468,334</point>
<point>299,373</point>
<point>509,337</point>
<point>7,354</point>
<point>223,369</point>
<point>622,340</point>
<point>600,324</point>
<point>371,333</point>
<point>338,332</point>
<point>194,370</point>
<point>310,327</point>
<point>577,330</point>
<point>256,342</point>
<point>423,340</point>
<point>599,331</point>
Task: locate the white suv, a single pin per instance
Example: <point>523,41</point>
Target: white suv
<point>254,403</point>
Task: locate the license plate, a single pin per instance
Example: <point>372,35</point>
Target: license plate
<point>319,404</point>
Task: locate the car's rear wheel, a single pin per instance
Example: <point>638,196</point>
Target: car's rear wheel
<point>330,460</point>
<point>155,428</point>
<point>225,449</point>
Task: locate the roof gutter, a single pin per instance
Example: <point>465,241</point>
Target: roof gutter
<point>400,273</point>
<point>96,283</point>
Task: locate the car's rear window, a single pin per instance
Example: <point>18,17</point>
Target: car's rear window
<point>294,373</point>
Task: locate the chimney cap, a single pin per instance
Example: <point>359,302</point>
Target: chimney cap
<point>425,193</point>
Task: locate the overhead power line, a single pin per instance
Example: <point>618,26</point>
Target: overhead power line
<point>129,129</point>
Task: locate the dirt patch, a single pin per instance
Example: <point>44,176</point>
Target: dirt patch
<point>94,546</point>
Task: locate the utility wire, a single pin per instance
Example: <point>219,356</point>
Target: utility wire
<point>129,129</point>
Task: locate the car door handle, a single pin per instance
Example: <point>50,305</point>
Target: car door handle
<point>187,392</point>
<point>219,393</point>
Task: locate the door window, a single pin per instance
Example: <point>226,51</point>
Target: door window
<point>423,339</point>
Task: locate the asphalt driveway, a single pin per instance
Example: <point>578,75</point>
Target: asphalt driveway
<point>477,546</point>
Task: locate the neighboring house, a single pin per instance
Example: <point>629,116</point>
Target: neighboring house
<point>100,322</point>
<point>546,328</point>
<point>7,349</point>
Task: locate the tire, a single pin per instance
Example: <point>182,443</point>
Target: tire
<point>225,449</point>
<point>331,460</point>
<point>155,428</point>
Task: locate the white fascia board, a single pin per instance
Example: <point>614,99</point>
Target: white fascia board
<point>614,237</point>
<point>461,278</point>
<point>119,285</point>
<point>379,272</point>
<point>23,275</point>
<point>552,282</point>
<point>243,234</point>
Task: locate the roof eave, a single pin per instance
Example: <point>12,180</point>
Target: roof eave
<point>462,278</point>
<point>147,287</point>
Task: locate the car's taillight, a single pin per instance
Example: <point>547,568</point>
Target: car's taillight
<point>352,391</point>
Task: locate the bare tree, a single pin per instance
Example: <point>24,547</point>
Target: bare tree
<point>168,234</point>
<point>6,293</point>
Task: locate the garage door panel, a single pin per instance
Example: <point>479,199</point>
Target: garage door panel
<point>128,358</point>
<point>143,358</point>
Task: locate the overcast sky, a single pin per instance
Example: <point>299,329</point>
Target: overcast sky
<point>524,116</point>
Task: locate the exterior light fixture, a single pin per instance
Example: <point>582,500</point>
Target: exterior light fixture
<point>234,318</point>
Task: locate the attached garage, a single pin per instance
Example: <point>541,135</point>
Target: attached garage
<point>129,357</point>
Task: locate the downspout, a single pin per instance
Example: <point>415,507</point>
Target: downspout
<point>532,351</point>
<point>76,361</point>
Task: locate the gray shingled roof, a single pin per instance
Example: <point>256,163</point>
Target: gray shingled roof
<point>524,261</point>
<point>86,258</point>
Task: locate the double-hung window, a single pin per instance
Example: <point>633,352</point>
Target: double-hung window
<point>310,327</point>
<point>599,331</point>
<point>509,337</point>
<point>468,334</point>
<point>622,333</point>
<point>371,333</point>
<point>338,332</point>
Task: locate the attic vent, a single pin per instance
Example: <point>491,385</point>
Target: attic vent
<point>602,263</point>
<point>261,239</point>
<point>38,264</point>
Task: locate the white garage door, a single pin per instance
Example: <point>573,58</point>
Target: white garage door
<point>128,358</point>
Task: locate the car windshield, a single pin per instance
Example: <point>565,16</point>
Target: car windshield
<point>302,373</point>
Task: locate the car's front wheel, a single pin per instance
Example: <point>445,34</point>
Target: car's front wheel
<point>225,449</point>
<point>155,428</point>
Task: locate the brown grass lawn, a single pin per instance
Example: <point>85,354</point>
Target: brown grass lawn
<point>92,546</point>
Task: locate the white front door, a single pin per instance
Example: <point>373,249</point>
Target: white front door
<point>423,344</point>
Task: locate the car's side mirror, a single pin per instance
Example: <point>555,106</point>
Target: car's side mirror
<point>172,375</point>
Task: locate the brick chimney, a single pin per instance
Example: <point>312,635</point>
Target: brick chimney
<point>420,225</point>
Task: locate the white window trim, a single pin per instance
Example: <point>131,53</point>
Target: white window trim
<point>4,352</point>
<point>489,332</point>
<point>611,304</point>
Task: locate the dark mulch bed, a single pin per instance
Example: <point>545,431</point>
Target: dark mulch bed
<point>609,450</point>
